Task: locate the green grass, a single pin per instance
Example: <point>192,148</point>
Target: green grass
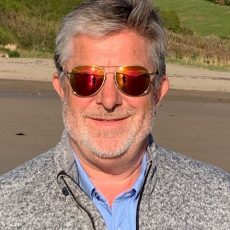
<point>32,23</point>
<point>197,64</point>
<point>35,54</point>
<point>6,36</point>
<point>203,17</point>
<point>206,51</point>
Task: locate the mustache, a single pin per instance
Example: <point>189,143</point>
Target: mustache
<point>101,113</point>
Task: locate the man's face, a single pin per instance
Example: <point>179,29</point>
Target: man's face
<point>109,123</point>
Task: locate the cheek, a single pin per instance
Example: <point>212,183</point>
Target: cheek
<point>77,103</point>
<point>143,104</point>
<point>144,108</point>
<point>147,110</point>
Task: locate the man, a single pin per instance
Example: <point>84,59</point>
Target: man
<point>107,172</point>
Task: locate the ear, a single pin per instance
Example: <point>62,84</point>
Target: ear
<point>58,86</point>
<point>163,89</point>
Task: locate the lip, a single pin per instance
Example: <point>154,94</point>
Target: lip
<point>108,121</point>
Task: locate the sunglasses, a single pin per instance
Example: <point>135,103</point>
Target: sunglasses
<point>88,80</point>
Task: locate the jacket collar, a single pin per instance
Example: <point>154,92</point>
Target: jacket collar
<point>65,161</point>
<point>64,158</point>
<point>67,180</point>
<point>151,172</point>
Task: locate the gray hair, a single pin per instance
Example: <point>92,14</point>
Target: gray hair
<point>104,17</point>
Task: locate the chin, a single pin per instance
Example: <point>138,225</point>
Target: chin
<point>109,147</point>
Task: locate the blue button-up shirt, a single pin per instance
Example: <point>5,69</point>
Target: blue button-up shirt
<point>122,214</point>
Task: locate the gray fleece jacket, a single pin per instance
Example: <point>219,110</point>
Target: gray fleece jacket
<point>178,193</point>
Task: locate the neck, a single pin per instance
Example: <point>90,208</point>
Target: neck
<point>119,183</point>
<point>118,173</point>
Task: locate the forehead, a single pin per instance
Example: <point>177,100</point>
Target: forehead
<point>123,48</point>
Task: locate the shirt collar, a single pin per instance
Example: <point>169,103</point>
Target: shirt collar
<point>84,181</point>
<point>140,180</point>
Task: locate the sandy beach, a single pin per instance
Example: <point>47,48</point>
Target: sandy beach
<point>181,77</point>
<point>193,119</point>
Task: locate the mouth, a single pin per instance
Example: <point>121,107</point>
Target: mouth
<point>108,121</point>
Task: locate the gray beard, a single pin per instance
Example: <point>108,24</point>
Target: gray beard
<point>80,134</point>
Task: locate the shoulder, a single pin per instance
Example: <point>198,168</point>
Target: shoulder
<point>27,181</point>
<point>32,168</point>
<point>190,192</point>
<point>31,197</point>
<point>36,169</point>
<point>179,163</point>
<point>30,194</point>
<point>25,188</point>
<point>184,168</point>
<point>196,182</point>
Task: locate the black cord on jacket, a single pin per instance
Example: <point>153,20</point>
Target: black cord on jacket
<point>63,174</point>
<point>141,193</point>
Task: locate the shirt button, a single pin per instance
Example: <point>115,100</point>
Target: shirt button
<point>97,196</point>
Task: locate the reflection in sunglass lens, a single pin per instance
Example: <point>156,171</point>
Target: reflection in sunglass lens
<point>86,80</point>
<point>133,80</point>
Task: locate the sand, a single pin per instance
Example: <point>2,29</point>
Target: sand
<point>181,77</point>
<point>189,121</point>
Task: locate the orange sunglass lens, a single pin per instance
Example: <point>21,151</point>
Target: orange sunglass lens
<point>86,80</point>
<point>133,80</point>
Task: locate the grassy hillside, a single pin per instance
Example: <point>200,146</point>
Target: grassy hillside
<point>199,31</point>
<point>202,34</point>
<point>203,17</point>
<point>31,23</point>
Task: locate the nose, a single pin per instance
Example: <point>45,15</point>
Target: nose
<point>108,96</point>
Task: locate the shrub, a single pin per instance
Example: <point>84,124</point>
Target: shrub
<point>171,20</point>
<point>221,2</point>
<point>6,36</point>
<point>13,54</point>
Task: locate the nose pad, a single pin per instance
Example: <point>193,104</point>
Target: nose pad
<point>109,96</point>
